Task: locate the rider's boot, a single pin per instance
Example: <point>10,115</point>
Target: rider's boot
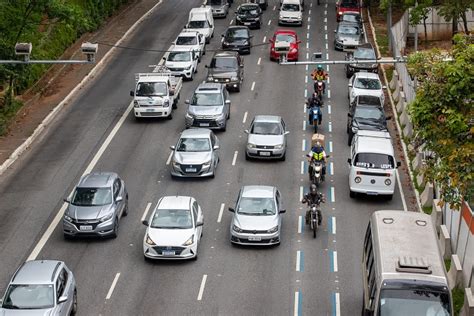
<point>320,218</point>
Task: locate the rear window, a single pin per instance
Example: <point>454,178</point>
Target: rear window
<point>372,160</point>
<point>349,4</point>
<point>186,40</point>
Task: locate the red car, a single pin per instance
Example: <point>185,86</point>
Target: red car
<point>279,43</point>
<point>343,6</point>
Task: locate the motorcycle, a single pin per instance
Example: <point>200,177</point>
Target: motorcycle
<point>315,118</point>
<point>314,218</point>
<point>316,175</point>
<point>319,88</point>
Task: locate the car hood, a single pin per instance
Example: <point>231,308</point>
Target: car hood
<point>377,93</point>
<point>290,14</point>
<point>206,31</point>
<point>247,222</point>
<point>348,39</point>
<point>237,41</point>
<point>365,124</point>
<point>270,140</point>
<point>222,73</point>
<point>170,237</point>
<point>26,312</point>
<point>205,110</point>
<point>191,158</point>
<point>177,64</point>
<point>154,100</point>
<point>88,212</point>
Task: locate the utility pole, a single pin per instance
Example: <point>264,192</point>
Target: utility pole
<point>389,25</point>
<point>416,31</point>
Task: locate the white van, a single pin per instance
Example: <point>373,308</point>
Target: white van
<point>372,164</point>
<point>202,21</point>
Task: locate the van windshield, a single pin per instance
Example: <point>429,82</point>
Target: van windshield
<point>372,160</point>
<point>398,302</point>
<point>151,89</point>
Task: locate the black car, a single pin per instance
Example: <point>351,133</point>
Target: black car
<point>365,114</point>
<point>363,52</point>
<point>249,14</point>
<point>237,38</point>
<point>226,67</point>
<point>262,3</point>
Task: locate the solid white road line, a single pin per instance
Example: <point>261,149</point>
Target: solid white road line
<point>331,164</point>
<point>302,167</point>
<point>300,223</point>
<point>333,195</point>
<point>219,218</point>
<point>301,193</point>
<point>235,158</point>
<point>269,22</point>
<point>245,117</point>
<point>201,288</point>
<point>334,225</point>
<point>298,260</point>
<point>259,60</point>
<point>147,208</point>
<point>253,86</point>
<point>401,191</point>
<point>335,260</point>
<point>338,304</point>
<point>112,287</point>
<point>169,158</point>
<point>303,145</point>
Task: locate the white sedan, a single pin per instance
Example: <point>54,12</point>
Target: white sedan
<point>365,83</point>
<point>174,229</point>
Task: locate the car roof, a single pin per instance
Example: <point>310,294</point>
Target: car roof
<point>248,4</point>
<point>263,191</point>
<point>175,202</point>
<point>267,118</point>
<point>37,272</point>
<point>374,142</point>
<point>98,179</point>
<point>237,27</point>
<point>367,75</point>
<point>227,53</point>
<point>196,132</point>
<point>284,31</point>
<point>180,48</point>
<point>187,33</point>
<point>211,87</point>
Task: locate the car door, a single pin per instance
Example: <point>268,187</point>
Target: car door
<point>284,131</point>
<point>226,97</point>
<point>197,217</point>
<point>62,290</point>
<point>279,206</point>
<point>117,190</point>
<point>215,157</point>
<point>240,60</point>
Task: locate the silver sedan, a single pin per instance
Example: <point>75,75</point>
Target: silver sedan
<point>257,216</point>
<point>267,138</point>
<point>195,154</point>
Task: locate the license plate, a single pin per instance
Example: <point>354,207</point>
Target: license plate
<point>85,228</point>
<point>255,238</point>
<point>247,23</point>
<point>372,193</point>
<point>204,124</point>
<point>264,153</point>
<point>150,110</point>
<point>168,253</point>
<point>191,169</point>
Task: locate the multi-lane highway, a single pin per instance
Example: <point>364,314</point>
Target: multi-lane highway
<point>97,132</point>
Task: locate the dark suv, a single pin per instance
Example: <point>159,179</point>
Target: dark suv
<point>227,67</point>
<point>363,52</point>
<point>249,14</point>
<point>237,38</point>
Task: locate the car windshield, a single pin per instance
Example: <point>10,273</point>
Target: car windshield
<point>24,296</point>
<point>151,89</point>
<point>290,7</point>
<point>172,219</point>
<point>348,30</point>
<point>224,62</point>
<point>179,56</point>
<point>266,128</point>
<point>92,197</point>
<point>285,38</point>
<point>207,99</point>
<point>186,40</point>
<point>349,4</point>
<point>367,83</point>
<point>248,10</point>
<point>372,160</point>
<point>369,100</point>
<point>398,302</point>
<point>364,53</point>
<point>355,18</point>
<point>198,24</point>
<point>256,206</point>
<point>193,145</point>
<point>237,34</point>
<point>368,112</point>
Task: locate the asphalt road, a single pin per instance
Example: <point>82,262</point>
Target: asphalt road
<point>302,276</point>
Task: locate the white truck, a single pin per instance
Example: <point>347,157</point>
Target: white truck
<point>156,94</point>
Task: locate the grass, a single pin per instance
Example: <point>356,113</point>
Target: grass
<point>458,299</point>
<point>8,112</point>
<point>427,209</point>
<point>382,41</point>
<point>447,264</point>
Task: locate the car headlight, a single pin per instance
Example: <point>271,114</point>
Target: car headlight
<point>293,50</point>
<point>236,228</point>
<point>273,230</point>
<point>148,241</point>
<point>234,78</point>
<point>67,218</point>
<point>189,67</point>
<point>135,104</point>
<point>357,179</point>
<point>225,43</point>
<point>166,103</point>
<point>210,78</point>
<point>388,182</point>
<point>107,217</point>
<point>354,129</point>
<point>239,17</point>
<point>206,164</point>
<point>338,40</point>
<point>250,145</point>
<point>189,242</point>
<point>189,116</point>
<point>245,43</point>
<point>280,146</point>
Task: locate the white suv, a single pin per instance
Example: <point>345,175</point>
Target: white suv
<point>193,40</point>
<point>182,62</point>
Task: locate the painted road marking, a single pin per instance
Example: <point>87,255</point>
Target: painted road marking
<point>306,79</point>
<point>259,60</point>
<point>325,12</point>
<point>307,67</point>
<point>264,39</point>
<point>305,93</point>
<point>297,309</point>
<point>309,18</point>
<point>231,22</point>
<point>300,224</point>
<point>330,146</point>
<point>145,213</point>
<point>326,37</point>
<point>327,46</point>
<point>336,305</point>
<point>329,94</point>
<point>330,127</point>
<point>401,191</point>
<point>253,86</point>
<point>329,108</point>
<point>331,168</point>
<point>307,55</point>
<point>304,122</point>
<point>325,28</point>
<point>302,167</point>
<point>269,22</point>
<point>245,117</point>
<point>333,225</point>
<point>333,195</point>
<point>309,26</point>
<point>325,20</point>
<point>274,8</point>
<point>307,35</point>
<point>112,287</point>
<point>235,158</point>
<point>334,255</point>
<point>299,261</point>
<point>301,193</point>
<point>169,158</point>
<point>328,80</point>
<point>303,145</point>
<point>219,218</point>
<point>307,45</point>
<point>201,288</point>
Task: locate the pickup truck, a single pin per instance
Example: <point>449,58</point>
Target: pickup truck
<point>156,94</point>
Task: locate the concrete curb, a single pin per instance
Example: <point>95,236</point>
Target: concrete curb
<point>394,110</point>
<point>52,115</point>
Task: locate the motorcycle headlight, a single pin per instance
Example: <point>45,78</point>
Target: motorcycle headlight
<point>236,228</point>
<point>250,145</point>
<point>273,230</point>
<point>166,103</point>
<point>107,217</point>
<point>67,218</point>
<point>148,241</point>
<point>280,146</point>
<point>135,104</point>
<point>189,242</point>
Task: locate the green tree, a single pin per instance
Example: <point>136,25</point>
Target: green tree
<point>443,116</point>
<point>455,10</point>
<point>419,12</point>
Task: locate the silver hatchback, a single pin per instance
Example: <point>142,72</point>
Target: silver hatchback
<point>257,216</point>
<point>98,202</point>
<point>267,138</point>
<point>41,287</point>
<point>195,154</point>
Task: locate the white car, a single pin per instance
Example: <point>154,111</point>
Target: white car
<point>193,40</point>
<point>365,83</point>
<point>182,62</point>
<point>174,229</point>
<point>291,13</point>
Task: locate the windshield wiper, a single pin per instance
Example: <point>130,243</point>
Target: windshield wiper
<point>10,306</point>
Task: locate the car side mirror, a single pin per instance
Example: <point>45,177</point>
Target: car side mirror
<point>384,87</point>
<point>206,66</point>
<point>172,147</point>
<point>145,222</point>
<point>187,102</point>
<point>164,58</point>
<point>119,199</point>
<point>231,209</point>
<point>271,40</point>
<point>216,147</point>
<point>62,299</point>
<point>282,211</point>
<point>246,131</point>
<point>227,102</point>
<point>199,224</point>
<point>132,93</point>
<point>242,65</point>
<point>222,35</point>
<point>210,25</point>
<point>287,132</point>
<point>349,161</point>
<point>67,200</point>
<point>399,163</point>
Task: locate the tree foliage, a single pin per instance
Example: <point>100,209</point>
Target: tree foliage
<point>443,116</point>
<point>456,10</point>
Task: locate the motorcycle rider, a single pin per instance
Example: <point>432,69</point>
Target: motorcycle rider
<point>314,104</point>
<point>313,197</point>
<point>319,74</point>
<point>319,154</point>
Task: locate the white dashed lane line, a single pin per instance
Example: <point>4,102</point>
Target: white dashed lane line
<point>304,125</point>
<point>303,145</point>
<point>264,39</point>
<point>331,168</point>
<point>169,158</point>
<point>235,158</point>
<point>302,167</point>
<point>201,288</point>
<point>245,117</point>
<point>300,224</point>
<point>231,21</point>
<point>259,60</point>
<point>253,86</point>
<point>145,213</point>
<point>221,210</point>
<point>112,287</point>
<point>330,146</point>
<point>269,22</point>
<point>330,127</point>
<point>301,193</point>
<point>329,108</point>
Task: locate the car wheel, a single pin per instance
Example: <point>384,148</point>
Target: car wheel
<point>192,76</point>
<point>247,157</point>
<point>283,158</point>
<point>195,70</point>
<point>74,304</point>
<point>195,257</point>
<point>175,105</point>
<point>225,127</point>
<point>352,194</point>
<point>67,237</point>
<point>228,115</point>
<point>348,74</point>
<point>238,88</point>
<point>116,228</point>
<point>125,211</point>
<point>170,117</point>
<point>146,258</point>
<point>349,139</point>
